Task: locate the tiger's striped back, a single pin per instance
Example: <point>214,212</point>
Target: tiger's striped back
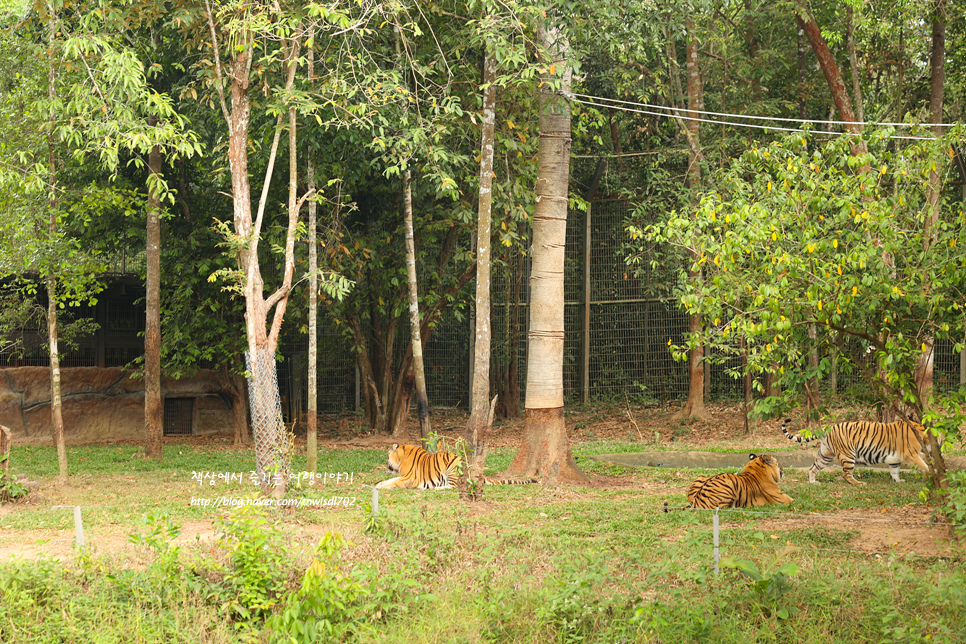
<point>419,469</point>
<point>867,443</point>
<point>756,485</point>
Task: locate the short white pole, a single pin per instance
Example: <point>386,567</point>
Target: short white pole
<point>714,523</point>
<point>79,527</point>
<point>78,524</point>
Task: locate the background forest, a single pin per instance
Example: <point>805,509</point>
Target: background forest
<point>129,126</point>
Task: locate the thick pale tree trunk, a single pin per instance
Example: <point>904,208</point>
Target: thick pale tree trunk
<point>546,451</point>
<point>419,372</point>
<point>480,417</point>
<point>153,406</point>
<point>270,436</point>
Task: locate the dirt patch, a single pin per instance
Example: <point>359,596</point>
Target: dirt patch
<point>902,529</point>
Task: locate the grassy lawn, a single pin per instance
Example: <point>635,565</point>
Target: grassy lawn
<point>528,564</point>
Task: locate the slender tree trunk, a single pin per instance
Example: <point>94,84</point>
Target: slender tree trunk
<point>507,373</point>
<point>751,38</point>
<point>694,405</point>
<point>802,72</point>
<point>546,451</point>
<point>853,63</point>
<point>239,409</point>
<point>312,424</point>
<point>56,413</point>
<point>153,405</point>
<point>422,401</point>
<point>924,368</point>
<point>480,418</point>
<point>746,382</point>
<point>812,393</point>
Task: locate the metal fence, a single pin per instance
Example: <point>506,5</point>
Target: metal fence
<point>617,331</point>
<point>617,326</point>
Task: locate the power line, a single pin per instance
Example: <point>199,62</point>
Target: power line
<point>762,118</point>
<point>573,98</point>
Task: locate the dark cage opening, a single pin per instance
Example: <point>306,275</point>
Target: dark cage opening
<point>177,416</point>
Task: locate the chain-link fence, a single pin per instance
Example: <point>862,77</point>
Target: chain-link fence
<point>272,448</point>
<point>618,321</point>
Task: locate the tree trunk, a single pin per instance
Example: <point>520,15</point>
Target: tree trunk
<point>56,415</point>
<point>270,436</point>
<point>746,382</point>
<point>694,405</point>
<point>312,422</point>
<point>422,401</point>
<point>751,39</point>
<point>506,378</point>
<point>832,76</point>
<point>802,72</point>
<point>853,63</point>
<point>546,452</point>
<point>924,368</point>
<point>153,405</point>
<point>811,384</point>
<point>478,424</point>
<point>239,410</point>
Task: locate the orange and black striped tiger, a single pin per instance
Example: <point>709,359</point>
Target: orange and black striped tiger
<point>867,443</point>
<point>756,485</point>
<point>419,469</point>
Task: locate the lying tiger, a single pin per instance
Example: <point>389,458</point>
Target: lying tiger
<point>418,469</point>
<point>756,485</point>
<point>867,443</point>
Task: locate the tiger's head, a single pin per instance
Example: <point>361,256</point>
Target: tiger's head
<point>397,454</point>
<point>395,457</point>
<point>764,465</point>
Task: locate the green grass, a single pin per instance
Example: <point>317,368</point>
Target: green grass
<point>530,564</point>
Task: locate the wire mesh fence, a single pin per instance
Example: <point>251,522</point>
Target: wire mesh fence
<point>272,448</point>
<point>618,321</point>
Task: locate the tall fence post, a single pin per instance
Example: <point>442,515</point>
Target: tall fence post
<point>714,524</point>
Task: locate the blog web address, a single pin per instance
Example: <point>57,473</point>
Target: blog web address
<point>229,501</point>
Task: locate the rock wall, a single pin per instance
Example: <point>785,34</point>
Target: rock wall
<point>102,404</point>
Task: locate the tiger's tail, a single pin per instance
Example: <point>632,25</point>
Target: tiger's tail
<point>796,439</point>
<point>489,481</point>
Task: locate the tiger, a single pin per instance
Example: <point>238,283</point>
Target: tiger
<point>418,469</point>
<point>756,485</point>
<point>868,443</point>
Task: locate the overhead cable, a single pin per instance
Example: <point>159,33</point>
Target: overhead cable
<point>573,97</point>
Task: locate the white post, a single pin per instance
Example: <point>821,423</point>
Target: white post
<point>714,524</point>
<point>78,527</point>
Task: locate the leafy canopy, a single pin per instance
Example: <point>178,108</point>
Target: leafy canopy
<point>797,236</point>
